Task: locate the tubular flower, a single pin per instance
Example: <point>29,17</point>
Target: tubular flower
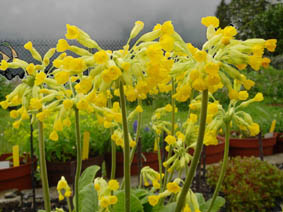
<point>243,95</point>
<point>254,129</point>
<point>62,45</point>
<point>4,65</point>
<point>35,104</point>
<point>53,136</point>
<point>170,139</point>
<point>210,20</point>
<point>113,185</point>
<point>39,78</point>
<point>270,45</point>
<point>72,32</point>
<point>63,189</point>
<point>101,57</point>
<point>153,199</point>
<point>173,187</point>
<point>258,97</point>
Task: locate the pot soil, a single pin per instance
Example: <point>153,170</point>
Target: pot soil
<point>16,177</point>
<point>150,159</point>
<point>68,169</point>
<point>250,146</point>
<point>213,153</point>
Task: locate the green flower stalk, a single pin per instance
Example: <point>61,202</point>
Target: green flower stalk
<point>79,158</point>
<point>195,160</point>
<point>43,169</point>
<point>127,168</point>
<point>224,165</point>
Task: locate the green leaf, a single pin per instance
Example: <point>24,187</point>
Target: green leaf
<point>88,200</point>
<point>88,176</point>
<point>135,205</point>
<point>167,208</point>
<point>218,203</point>
<point>201,200</point>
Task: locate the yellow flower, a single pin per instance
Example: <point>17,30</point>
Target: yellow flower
<point>258,97</point>
<point>104,202</point>
<point>53,136</point>
<point>39,78</point>
<point>270,44</point>
<point>139,109</point>
<point>97,186</point>
<point>212,108</point>
<point>132,143</point>
<point>67,122</point>
<point>243,95</point>
<point>241,66</point>
<point>168,108</point>
<point>28,46</point>
<point>193,118</point>
<point>170,139</point>
<point>35,104</point>
<point>42,115</point>
<point>82,104</point>
<point>101,57</point>
<point>14,114</point>
<point>211,68</point>
<point>254,129</point>
<point>113,200</point>
<point>4,65</point>
<point>137,28</point>
<point>167,28</point>
<point>68,104</point>
<point>210,20</point>
<point>72,32</point>
<point>187,208</point>
<point>4,104</point>
<point>200,56</point>
<point>58,125</point>
<point>199,84</point>
<point>62,45</point>
<point>229,31</point>
<point>265,62</point>
<point>233,94</point>
<point>16,124</point>
<point>153,199</point>
<point>113,185</point>
<point>167,43</point>
<point>248,84</point>
<point>156,184</point>
<point>173,187</point>
<point>62,77</point>
<point>255,62</point>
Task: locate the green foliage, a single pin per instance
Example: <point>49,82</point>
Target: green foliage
<point>268,25</point>
<point>249,184</point>
<point>5,88</point>
<point>88,200</point>
<point>147,139</point>
<point>64,148</point>
<point>135,205</point>
<point>204,205</point>
<point>12,136</point>
<point>269,82</point>
<point>253,18</point>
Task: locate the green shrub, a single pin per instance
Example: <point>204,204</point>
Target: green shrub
<point>269,82</point>
<point>147,139</point>
<point>65,148</point>
<point>249,184</point>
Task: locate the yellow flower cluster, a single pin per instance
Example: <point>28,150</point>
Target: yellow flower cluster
<point>63,189</point>
<point>104,191</point>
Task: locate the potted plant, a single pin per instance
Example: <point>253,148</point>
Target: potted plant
<point>61,155</point>
<point>249,184</point>
<point>148,157</point>
<point>20,176</point>
<point>241,145</point>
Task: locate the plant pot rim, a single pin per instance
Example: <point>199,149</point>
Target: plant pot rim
<point>27,164</point>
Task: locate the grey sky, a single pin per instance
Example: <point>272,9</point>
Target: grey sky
<point>102,19</point>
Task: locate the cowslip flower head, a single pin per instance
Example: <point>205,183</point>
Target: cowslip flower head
<point>210,20</point>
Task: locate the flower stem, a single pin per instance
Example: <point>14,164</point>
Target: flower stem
<point>79,158</point>
<point>224,165</point>
<point>113,149</point>
<point>127,168</point>
<point>69,204</point>
<point>43,169</point>
<point>197,152</point>
<point>172,131</point>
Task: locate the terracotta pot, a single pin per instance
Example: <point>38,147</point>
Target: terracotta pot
<point>213,153</point>
<point>68,169</point>
<point>278,148</point>
<point>250,146</point>
<point>151,160</point>
<point>16,177</point>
